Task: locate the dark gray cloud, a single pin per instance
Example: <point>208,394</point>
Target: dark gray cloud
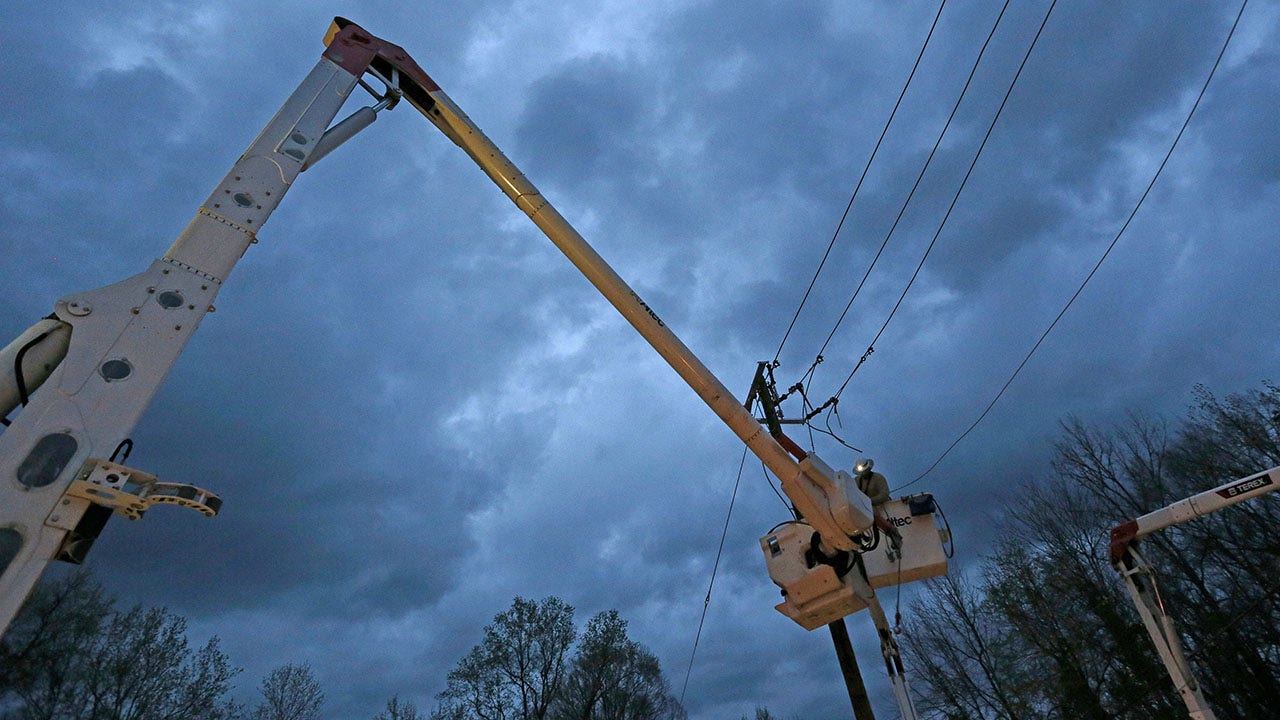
<point>416,409</point>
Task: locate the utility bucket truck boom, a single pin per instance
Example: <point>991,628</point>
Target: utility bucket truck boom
<point>1140,577</point>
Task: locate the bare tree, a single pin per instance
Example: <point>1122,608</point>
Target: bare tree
<point>397,710</point>
<point>68,654</point>
<point>290,692</point>
<point>968,665</point>
<point>519,667</point>
<point>614,678</point>
<point>45,654</point>
<point>523,670</point>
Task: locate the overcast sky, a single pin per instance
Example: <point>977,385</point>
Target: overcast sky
<point>415,409</point>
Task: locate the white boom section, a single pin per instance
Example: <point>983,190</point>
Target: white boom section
<point>1140,578</point>
<point>835,510</point>
<point>1225,495</point>
<point>124,339</point>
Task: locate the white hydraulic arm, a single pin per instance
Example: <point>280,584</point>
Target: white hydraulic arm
<point>84,376</point>
<point>1140,578</point>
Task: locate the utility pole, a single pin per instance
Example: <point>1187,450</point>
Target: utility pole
<point>849,668</point>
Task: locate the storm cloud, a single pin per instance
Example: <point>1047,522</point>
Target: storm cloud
<point>415,409</point>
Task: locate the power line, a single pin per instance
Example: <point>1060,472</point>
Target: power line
<point>955,199</point>
<point>706,603</point>
<point>858,186</point>
<point>919,177</point>
<point>1110,247</point>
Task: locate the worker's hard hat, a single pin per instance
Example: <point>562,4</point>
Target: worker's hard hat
<point>864,465</point>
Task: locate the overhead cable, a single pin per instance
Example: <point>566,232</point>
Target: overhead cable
<point>955,199</point>
<point>1110,247</point>
<point>919,177</point>
<point>858,186</point>
<point>706,603</point>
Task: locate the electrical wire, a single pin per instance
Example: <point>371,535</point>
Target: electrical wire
<point>954,200</point>
<point>818,357</point>
<point>858,185</point>
<point>1203,88</point>
<point>828,431</point>
<point>706,603</point>
<point>790,510</point>
<point>910,195</point>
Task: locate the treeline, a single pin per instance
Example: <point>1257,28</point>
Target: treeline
<point>72,655</point>
<point>1045,629</point>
